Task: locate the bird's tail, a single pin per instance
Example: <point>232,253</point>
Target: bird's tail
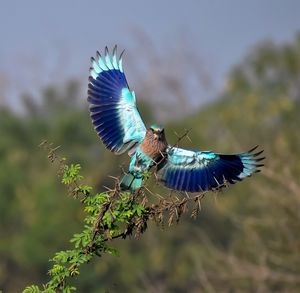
<point>131,182</point>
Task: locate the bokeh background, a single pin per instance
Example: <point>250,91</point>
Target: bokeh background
<point>230,70</point>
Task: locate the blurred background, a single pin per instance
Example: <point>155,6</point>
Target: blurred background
<point>229,70</point>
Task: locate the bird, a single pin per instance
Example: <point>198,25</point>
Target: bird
<point>117,121</point>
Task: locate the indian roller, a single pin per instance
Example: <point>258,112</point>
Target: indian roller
<point>117,121</point>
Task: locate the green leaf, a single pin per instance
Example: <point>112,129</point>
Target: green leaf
<point>31,289</point>
<point>112,251</point>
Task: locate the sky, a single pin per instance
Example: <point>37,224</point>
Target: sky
<point>48,42</point>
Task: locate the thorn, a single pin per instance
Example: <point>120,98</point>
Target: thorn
<point>53,150</point>
<point>43,143</point>
<point>187,195</point>
<point>108,189</point>
<point>113,177</point>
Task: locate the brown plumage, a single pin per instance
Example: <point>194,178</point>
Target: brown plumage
<point>154,144</point>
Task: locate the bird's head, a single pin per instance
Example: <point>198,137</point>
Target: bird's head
<point>157,132</point>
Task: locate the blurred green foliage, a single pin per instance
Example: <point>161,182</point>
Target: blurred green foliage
<point>246,239</point>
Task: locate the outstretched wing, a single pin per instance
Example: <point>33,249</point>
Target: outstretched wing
<point>112,105</point>
<point>196,171</point>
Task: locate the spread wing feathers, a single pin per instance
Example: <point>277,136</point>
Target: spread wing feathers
<point>112,105</point>
<point>196,171</point>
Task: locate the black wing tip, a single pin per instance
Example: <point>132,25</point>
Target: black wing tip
<point>259,165</point>
<point>256,155</point>
<point>98,55</point>
<point>253,149</point>
<point>106,52</point>
<point>260,159</point>
<point>121,54</point>
<point>115,49</point>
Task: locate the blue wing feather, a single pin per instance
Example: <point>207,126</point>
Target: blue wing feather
<point>196,171</point>
<point>112,105</point>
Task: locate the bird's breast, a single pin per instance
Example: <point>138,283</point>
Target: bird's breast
<point>152,147</point>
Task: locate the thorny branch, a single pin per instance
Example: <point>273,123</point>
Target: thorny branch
<point>167,209</point>
<point>181,137</point>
